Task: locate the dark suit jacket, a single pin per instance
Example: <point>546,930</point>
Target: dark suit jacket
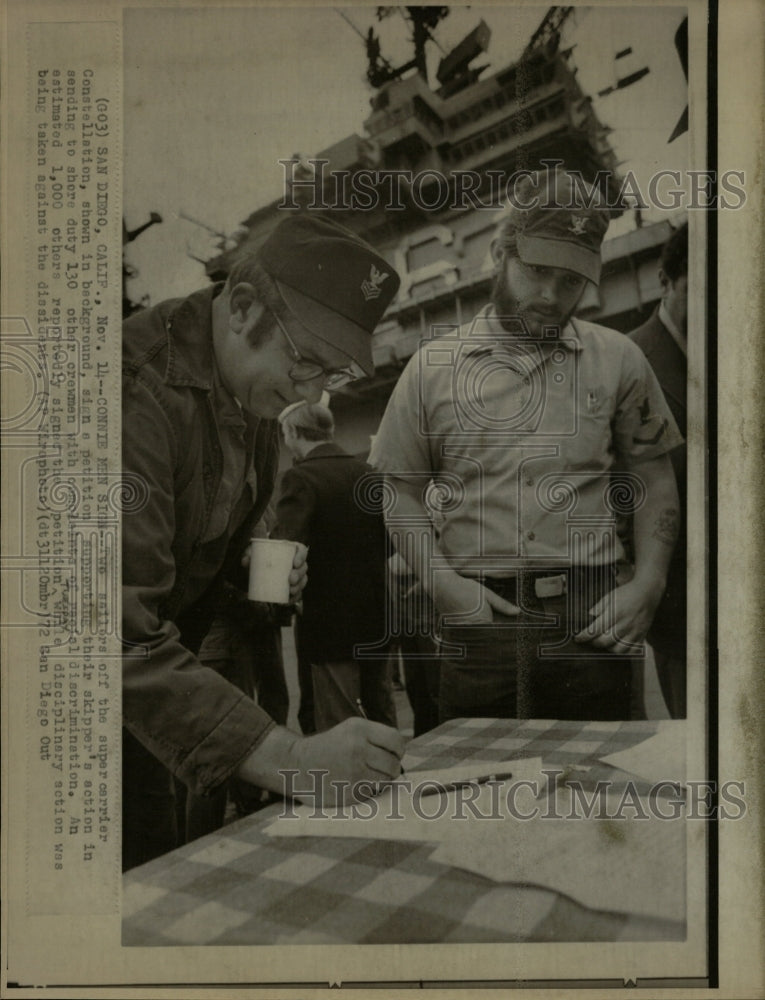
<point>671,368</point>
<point>344,599</point>
<point>668,362</point>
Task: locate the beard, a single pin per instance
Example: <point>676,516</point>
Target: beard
<point>520,319</point>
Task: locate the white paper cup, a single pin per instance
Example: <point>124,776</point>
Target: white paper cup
<point>270,567</point>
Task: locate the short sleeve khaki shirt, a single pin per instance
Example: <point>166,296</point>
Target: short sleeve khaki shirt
<point>524,438</point>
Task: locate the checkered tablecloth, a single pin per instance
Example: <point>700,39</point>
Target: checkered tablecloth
<point>239,886</point>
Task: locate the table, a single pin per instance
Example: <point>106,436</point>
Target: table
<point>239,886</point>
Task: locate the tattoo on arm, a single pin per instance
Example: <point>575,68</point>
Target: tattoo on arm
<point>667,526</point>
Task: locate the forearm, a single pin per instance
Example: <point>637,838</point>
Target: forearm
<point>411,531</point>
<point>620,620</point>
<point>186,714</point>
<point>656,524</point>
<point>275,753</point>
<point>327,767</point>
<point>458,599</point>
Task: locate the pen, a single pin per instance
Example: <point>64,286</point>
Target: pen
<point>439,788</point>
<point>364,715</point>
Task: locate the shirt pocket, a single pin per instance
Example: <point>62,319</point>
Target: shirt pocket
<point>589,447</point>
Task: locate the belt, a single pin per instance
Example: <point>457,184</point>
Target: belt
<point>551,586</point>
<point>551,582</point>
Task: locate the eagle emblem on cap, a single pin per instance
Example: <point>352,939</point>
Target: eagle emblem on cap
<point>371,286</point>
<point>578,224</point>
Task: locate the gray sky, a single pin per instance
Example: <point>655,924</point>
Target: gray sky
<point>215,96</point>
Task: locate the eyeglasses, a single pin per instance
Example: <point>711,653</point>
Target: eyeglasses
<point>307,371</point>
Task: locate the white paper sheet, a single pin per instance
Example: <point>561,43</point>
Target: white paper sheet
<point>622,864</point>
<point>659,758</point>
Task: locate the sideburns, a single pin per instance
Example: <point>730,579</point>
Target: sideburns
<point>263,329</point>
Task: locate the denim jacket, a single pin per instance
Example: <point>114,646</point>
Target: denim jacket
<point>176,553</point>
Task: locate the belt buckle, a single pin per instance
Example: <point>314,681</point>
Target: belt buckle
<point>551,586</point>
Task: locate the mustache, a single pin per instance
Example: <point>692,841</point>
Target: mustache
<point>513,313</point>
<point>546,311</point>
